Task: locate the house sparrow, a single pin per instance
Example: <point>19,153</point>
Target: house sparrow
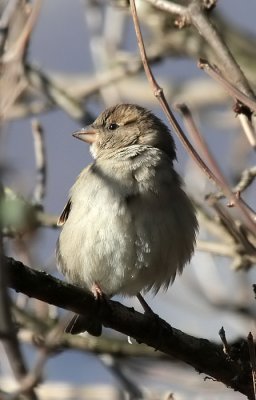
<point>128,225</point>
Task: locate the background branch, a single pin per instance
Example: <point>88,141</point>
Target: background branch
<point>158,92</point>
<point>7,329</point>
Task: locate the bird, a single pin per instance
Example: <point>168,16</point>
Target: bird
<point>128,227</point>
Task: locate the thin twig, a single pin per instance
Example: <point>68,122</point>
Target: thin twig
<point>247,177</point>
<point>85,87</point>
<point>215,40</point>
<point>102,48</point>
<point>5,21</point>
<point>16,52</point>
<point>231,227</point>
<point>40,158</point>
<point>215,73</point>
<point>127,384</point>
<point>200,142</point>
<point>13,94</point>
<point>216,248</point>
<point>113,76</point>
<point>195,14</point>
<point>223,338</point>
<point>202,145</point>
<point>251,348</point>
<point>158,92</point>
<point>46,220</point>
<point>246,124</point>
<point>170,7</point>
<point>57,94</point>
<point>34,376</point>
<point>248,129</point>
<point>34,329</point>
<point>99,345</point>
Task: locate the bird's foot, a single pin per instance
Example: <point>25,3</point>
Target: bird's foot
<point>97,291</point>
<point>99,295</point>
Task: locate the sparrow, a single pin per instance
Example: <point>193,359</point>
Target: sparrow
<point>128,226</point>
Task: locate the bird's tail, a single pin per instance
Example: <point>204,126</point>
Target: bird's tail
<point>79,324</point>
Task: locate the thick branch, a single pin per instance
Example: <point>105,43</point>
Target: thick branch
<point>204,356</point>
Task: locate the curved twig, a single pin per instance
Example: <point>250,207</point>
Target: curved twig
<point>158,92</point>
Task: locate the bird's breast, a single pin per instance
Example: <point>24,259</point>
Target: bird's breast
<point>128,229</point>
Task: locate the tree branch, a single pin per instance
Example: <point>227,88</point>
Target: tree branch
<point>203,355</point>
<point>159,93</point>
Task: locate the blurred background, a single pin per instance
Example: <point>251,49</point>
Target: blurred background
<point>75,59</point>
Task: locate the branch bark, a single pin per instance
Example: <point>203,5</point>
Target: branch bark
<point>206,357</point>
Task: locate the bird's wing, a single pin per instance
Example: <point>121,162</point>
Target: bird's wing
<point>85,173</point>
<point>65,213</point>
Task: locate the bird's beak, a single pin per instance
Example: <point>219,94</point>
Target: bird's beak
<point>87,134</point>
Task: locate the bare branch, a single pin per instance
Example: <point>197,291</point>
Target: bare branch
<point>40,158</point>
<point>146,329</point>
<point>222,335</point>
<point>226,60</point>
<point>248,129</point>
<point>5,22</point>
<point>17,50</point>
<point>215,73</point>
<point>251,347</point>
<point>125,382</point>
<point>244,115</point>
<point>196,15</point>
<point>201,144</point>
<point>57,94</point>
<point>158,92</point>
<point>33,377</point>
<point>170,6</point>
<point>216,248</point>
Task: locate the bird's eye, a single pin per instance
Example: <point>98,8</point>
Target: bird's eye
<point>113,126</point>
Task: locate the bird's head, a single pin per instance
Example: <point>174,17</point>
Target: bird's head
<point>125,125</point>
